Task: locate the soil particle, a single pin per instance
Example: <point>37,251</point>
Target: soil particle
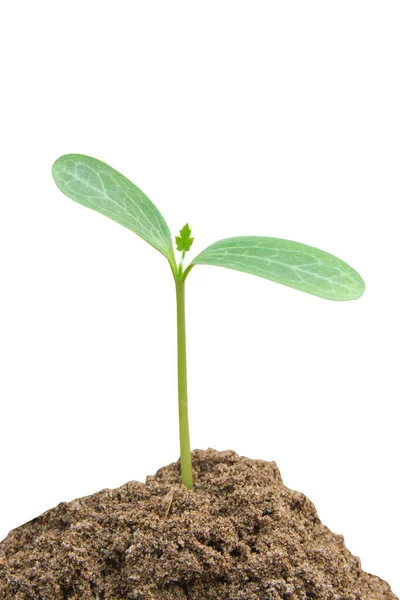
<point>239,535</point>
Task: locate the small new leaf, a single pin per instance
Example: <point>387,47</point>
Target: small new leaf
<point>184,241</point>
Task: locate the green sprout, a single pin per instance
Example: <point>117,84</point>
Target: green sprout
<point>94,184</point>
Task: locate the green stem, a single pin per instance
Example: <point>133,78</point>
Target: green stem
<point>186,459</point>
<point>180,268</point>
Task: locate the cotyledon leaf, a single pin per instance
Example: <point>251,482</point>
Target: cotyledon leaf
<point>96,185</point>
<point>290,263</point>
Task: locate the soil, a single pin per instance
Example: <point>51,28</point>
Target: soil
<point>239,535</point>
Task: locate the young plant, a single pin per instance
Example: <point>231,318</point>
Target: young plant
<point>94,184</point>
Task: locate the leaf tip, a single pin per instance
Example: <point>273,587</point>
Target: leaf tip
<point>58,165</point>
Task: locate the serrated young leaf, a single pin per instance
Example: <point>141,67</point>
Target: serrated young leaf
<point>289,263</point>
<point>98,186</point>
<point>184,241</point>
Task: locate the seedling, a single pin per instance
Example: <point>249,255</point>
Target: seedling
<point>94,184</point>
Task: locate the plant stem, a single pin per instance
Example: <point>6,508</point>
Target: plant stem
<point>180,268</point>
<point>186,459</point>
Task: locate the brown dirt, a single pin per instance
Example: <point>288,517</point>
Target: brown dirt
<point>239,535</point>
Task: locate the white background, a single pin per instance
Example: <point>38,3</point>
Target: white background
<point>242,118</point>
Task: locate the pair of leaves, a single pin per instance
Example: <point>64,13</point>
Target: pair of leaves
<point>94,184</point>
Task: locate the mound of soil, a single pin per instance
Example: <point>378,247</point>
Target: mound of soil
<point>239,535</point>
